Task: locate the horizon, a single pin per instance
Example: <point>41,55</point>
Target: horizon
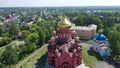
<point>56,3</point>
<point>55,6</point>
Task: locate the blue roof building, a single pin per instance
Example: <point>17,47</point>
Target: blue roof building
<point>100,37</point>
<point>100,45</point>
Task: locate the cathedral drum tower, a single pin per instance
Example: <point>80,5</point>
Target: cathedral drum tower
<point>64,49</point>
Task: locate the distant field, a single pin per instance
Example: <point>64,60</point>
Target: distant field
<point>111,11</point>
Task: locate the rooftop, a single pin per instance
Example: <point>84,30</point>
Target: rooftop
<point>82,28</point>
<point>100,37</point>
<point>104,47</point>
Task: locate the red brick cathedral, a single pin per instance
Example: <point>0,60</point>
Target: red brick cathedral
<point>64,50</point>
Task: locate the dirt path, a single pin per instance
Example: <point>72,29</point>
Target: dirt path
<point>29,56</point>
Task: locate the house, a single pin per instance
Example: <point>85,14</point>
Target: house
<point>100,45</point>
<point>85,32</point>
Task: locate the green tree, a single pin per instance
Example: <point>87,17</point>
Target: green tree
<point>47,35</point>
<point>97,21</point>
<point>115,42</point>
<point>31,47</point>
<point>10,56</point>
<point>4,41</point>
<point>32,38</point>
<point>1,30</point>
<point>13,31</point>
<point>118,48</point>
<point>107,31</point>
<point>22,51</point>
<point>42,36</point>
<point>6,34</point>
<point>25,33</point>
<point>79,21</point>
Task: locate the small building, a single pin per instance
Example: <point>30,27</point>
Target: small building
<point>85,32</point>
<point>100,45</point>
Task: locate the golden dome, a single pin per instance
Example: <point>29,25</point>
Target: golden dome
<point>73,32</point>
<point>52,38</point>
<point>74,50</point>
<point>77,38</point>
<point>64,23</point>
<point>54,32</point>
<point>56,50</point>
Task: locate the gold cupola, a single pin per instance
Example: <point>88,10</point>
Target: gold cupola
<point>64,23</point>
<point>73,32</point>
<point>77,38</point>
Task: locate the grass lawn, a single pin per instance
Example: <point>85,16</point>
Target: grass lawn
<point>90,58</point>
<point>37,58</point>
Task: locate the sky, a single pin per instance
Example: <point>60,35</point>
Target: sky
<point>46,3</point>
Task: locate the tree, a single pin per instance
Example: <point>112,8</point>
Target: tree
<point>1,30</point>
<point>47,35</point>
<point>6,34</point>
<point>22,51</point>
<point>118,48</point>
<point>10,56</point>
<point>41,36</point>
<point>24,27</point>
<point>115,43</point>
<point>31,47</point>
<point>13,30</point>
<point>79,21</point>
<point>32,38</point>
<point>97,21</point>
<point>5,41</point>
<point>25,33</point>
<point>107,31</point>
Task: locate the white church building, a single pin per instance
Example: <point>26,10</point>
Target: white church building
<point>100,45</point>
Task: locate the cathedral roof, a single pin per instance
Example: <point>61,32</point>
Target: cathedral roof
<point>64,23</point>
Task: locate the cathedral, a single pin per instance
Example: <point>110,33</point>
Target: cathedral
<point>64,49</point>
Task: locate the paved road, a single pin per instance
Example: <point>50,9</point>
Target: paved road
<point>86,45</point>
<point>108,63</point>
